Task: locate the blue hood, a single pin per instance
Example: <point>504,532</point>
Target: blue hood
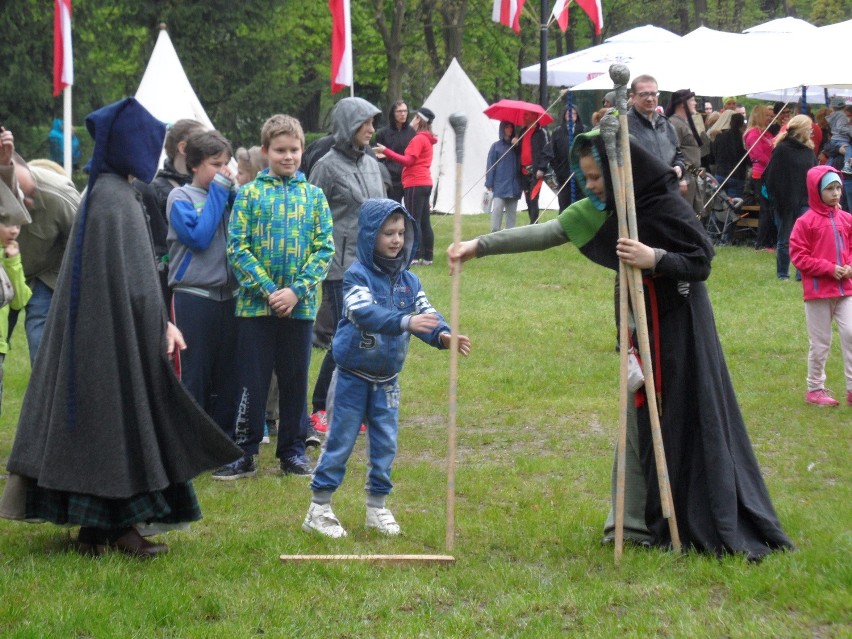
<point>372,215</point>
<point>128,140</point>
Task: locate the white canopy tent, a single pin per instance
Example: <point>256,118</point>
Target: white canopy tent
<point>675,68</point>
<point>795,28</point>
<point>165,90</point>
<point>580,66</point>
<point>456,93</point>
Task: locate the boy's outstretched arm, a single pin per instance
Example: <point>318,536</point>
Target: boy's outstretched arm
<point>464,343</point>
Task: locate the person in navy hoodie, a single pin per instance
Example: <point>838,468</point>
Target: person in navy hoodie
<point>383,305</point>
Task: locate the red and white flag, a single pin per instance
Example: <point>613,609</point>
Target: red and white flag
<point>63,60</point>
<point>594,10</point>
<point>508,12</point>
<point>341,44</point>
<point>560,13</point>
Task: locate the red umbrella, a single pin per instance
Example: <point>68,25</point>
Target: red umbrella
<point>514,111</point>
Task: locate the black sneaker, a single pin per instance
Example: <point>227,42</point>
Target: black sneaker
<point>243,467</point>
<point>296,465</point>
<point>313,437</point>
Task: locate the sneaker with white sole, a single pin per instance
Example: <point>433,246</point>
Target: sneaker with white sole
<point>321,519</point>
<point>382,520</point>
<point>243,467</point>
<point>820,397</point>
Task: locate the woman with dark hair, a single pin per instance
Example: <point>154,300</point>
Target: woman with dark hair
<point>721,503</point>
<point>786,182</point>
<point>417,178</point>
<point>396,136</point>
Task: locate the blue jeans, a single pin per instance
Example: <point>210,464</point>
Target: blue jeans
<point>332,290</point>
<point>37,309</point>
<point>265,344</point>
<point>353,400</point>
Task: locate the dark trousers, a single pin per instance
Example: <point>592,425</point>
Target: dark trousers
<point>332,291</point>
<point>785,221</point>
<point>207,365</point>
<point>417,203</point>
<point>767,234</point>
<point>264,345</point>
<point>528,182</point>
<point>395,192</point>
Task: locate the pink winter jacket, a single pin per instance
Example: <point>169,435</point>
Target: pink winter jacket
<point>821,240</point>
<point>760,154</point>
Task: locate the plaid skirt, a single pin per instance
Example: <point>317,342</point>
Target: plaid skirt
<point>175,504</point>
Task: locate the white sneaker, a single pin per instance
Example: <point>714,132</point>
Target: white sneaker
<point>321,519</point>
<point>382,520</point>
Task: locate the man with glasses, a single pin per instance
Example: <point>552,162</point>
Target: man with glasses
<point>651,128</point>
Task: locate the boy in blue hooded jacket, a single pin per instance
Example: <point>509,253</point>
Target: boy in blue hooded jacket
<point>383,304</point>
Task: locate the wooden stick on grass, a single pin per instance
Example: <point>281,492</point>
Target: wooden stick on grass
<point>376,559</point>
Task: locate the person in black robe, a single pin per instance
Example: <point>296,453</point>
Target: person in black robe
<point>720,500</point>
<point>108,438</point>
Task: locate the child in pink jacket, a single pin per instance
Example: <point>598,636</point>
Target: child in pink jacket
<point>821,249</point>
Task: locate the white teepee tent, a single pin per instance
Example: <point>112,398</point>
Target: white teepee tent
<point>456,93</point>
<point>165,90</point>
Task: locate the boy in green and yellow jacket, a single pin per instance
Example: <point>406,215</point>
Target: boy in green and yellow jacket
<point>280,247</point>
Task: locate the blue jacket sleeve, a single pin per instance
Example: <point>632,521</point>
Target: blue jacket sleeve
<point>196,231</point>
<point>359,306</point>
<point>424,306</point>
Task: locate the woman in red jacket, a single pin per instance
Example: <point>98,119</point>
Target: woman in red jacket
<point>417,179</point>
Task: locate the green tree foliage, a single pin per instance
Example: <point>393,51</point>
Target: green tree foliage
<point>251,59</point>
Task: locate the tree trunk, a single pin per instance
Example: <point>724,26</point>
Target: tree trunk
<point>392,38</point>
<point>427,14</point>
<point>700,12</point>
<point>453,13</point>
<point>683,17</point>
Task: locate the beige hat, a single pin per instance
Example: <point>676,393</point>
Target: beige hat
<point>12,211</point>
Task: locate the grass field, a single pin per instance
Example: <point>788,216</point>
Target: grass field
<point>537,416</point>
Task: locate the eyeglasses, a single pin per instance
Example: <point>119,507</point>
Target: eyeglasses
<point>402,111</point>
<point>644,95</point>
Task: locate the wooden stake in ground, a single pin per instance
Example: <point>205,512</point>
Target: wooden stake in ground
<point>459,123</point>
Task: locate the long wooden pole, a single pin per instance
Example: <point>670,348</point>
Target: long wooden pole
<point>459,123</point>
<point>609,131</point>
<point>620,74</point>
<point>375,559</point>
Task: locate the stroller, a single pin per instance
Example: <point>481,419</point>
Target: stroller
<point>721,214</point>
